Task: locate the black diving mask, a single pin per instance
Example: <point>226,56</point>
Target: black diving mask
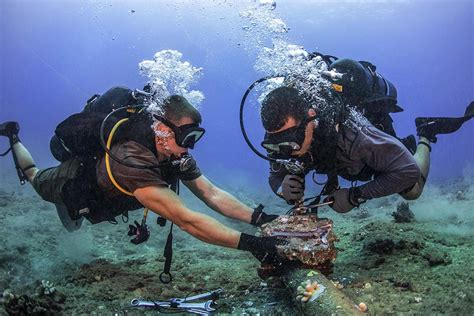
<point>185,135</point>
<point>285,142</point>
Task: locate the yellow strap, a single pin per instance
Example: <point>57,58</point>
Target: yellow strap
<point>107,158</point>
<point>337,87</point>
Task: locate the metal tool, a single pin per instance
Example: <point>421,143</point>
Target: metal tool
<point>301,209</point>
<point>182,304</point>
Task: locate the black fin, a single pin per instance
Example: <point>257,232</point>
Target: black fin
<point>9,129</point>
<point>470,110</point>
<point>430,127</point>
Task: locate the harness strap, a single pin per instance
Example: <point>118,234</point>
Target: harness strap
<point>425,143</point>
<point>257,213</point>
<point>165,276</point>
<point>28,168</point>
<point>21,174</point>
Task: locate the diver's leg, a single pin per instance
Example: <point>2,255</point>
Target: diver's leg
<point>431,127</point>
<point>22,157</point>
<point>422,158</point>
<point>25,160</point>
<point>428,128</point>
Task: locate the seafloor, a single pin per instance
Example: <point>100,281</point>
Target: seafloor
<point>421,267</point>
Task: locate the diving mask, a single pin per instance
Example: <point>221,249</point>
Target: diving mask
<point>185,135</point>
<point>285,142</point>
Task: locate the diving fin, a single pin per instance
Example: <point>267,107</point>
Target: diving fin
<point>9,129</point>
<point>430,127</point>
<point>68,223</point>
<point>469,110</point>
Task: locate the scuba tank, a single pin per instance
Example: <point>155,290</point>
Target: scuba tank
<point>79,134</point>
<point>361,86</point>
<point>359,83</point>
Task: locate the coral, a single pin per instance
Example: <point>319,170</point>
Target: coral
<point>39,304</point>
<point>403,213</point>
<point>309,291</point>
<point>361,213</point>
<point>45,288</point>
<point>363,307</point>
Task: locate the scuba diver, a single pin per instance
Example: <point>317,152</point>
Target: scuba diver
<point>137,163</point>
<point>302,136</point>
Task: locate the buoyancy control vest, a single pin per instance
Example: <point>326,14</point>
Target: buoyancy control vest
<point>79,134</point>
<point>363,87</point>
<point>78,137</point>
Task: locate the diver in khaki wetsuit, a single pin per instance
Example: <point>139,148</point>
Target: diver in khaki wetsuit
<point>345,146</point>
<point>86,189</point>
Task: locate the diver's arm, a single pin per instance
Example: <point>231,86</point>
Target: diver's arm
<point>396,168</point>
<point>167,204</point>
<point>219,200</point>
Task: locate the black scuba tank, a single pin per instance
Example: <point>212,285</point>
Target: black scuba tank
<point>364,87</point>
<point>79,134</point>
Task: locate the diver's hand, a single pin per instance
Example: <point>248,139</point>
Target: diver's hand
<point>265,218</point>
<point>292,188</point>
<point>344,200</point>
<point>259,217</point>
<point>140,233</point>
<point>263,248</point>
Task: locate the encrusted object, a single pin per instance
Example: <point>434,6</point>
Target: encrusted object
<point>311,240</point>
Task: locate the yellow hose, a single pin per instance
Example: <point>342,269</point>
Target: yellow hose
<point>107,158</point>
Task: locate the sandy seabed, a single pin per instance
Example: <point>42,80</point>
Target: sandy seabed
<point>422,267</point>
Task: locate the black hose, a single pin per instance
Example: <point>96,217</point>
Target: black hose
<point>241,117</point>
<point>6,153</point>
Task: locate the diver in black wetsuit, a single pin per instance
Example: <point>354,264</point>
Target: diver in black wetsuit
<point>342,146</point>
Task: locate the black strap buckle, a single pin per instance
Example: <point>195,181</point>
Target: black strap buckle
<point>256,214</point>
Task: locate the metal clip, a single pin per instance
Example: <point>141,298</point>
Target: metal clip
<point>182,304</point>
<point>292,165</point>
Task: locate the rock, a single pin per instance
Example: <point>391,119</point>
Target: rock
<point>403,213</point>
<point>32,305</point>
<point>436,257</point>
<point>370,262</point>
<point>460,195</point>
<point>404,285</point>
<point>380,246</point>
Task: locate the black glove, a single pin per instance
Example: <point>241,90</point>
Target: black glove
<point>292,188</point>
<point>263,248</point>
<point>140,233</point>
<point>345,200</point>
<point>259,217</point>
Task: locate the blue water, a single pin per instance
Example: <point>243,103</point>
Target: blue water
<point>55,54</point>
